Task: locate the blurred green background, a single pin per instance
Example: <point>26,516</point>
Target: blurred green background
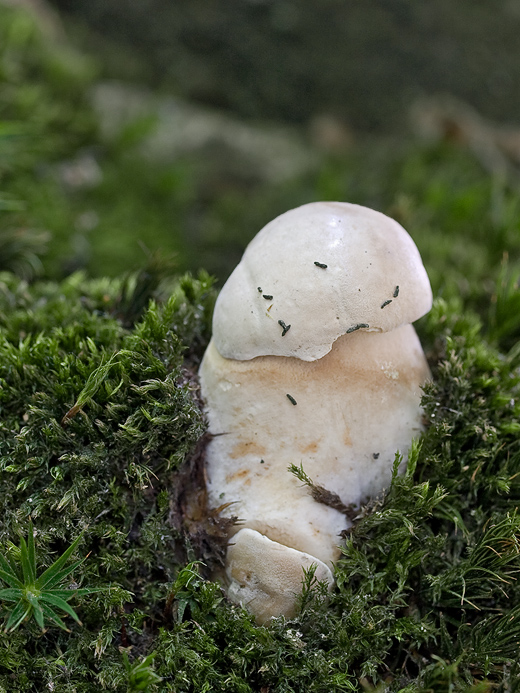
<point>183,127</point>
<point>293,59</point>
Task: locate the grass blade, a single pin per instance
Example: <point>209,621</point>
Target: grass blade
<point>54,573</point>
<point>11,561</point>
<point>89,590</point>
<point>37,609</point>
<point>60,604</point>
<point>10,579</point>
<point>31,556</point>
<point>10,595</point>
<point>52,616</point>
<point>20,612</point>
<point>27,571</point>
<point>56,578</point>
<point>5,565</point>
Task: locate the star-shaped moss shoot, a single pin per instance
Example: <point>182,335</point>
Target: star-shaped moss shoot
<point>33,596</point>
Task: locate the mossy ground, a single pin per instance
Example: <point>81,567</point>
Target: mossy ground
<point>101,431</point>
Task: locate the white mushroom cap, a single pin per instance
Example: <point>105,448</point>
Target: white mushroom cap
<point>374,280</point>
<point>266,577</point>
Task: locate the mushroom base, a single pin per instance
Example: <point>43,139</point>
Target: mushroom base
<point>266,576</point>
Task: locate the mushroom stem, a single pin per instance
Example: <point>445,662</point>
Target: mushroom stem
<point>361,400</point>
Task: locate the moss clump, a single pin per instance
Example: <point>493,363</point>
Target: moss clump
<point>96,419</point>
<point>100,422</point>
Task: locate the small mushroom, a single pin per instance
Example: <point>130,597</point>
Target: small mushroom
<point>345,380</point>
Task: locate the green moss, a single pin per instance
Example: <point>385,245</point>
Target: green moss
<point>106,465</point>
<point>426,591</point>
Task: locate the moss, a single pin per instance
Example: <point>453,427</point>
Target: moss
<point>108,465</point>
<point>426,590</point>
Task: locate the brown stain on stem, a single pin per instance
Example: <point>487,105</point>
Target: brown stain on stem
<point>310,448</point>
<point>242,474</point>
<point>247,448</point>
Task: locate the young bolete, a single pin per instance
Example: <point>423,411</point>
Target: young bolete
<point>314,363</point>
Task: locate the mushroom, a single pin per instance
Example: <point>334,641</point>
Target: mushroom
<point>314,363</point>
